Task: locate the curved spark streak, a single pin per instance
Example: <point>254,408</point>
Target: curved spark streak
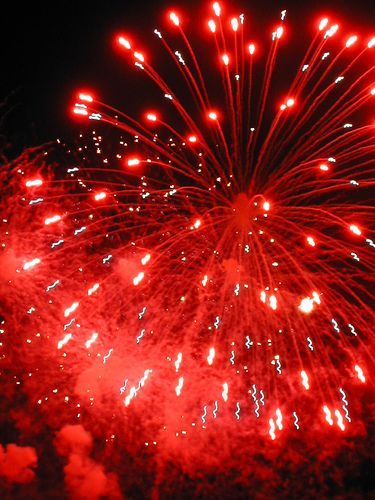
<point>335,325</point>
<point>51,287</point>
<point>214,412</point>
<point>296,420</point>
<point>141,335</point>
<point>238,410</point>
<point>232,357</point>
<point>262,397</point>
<point>352,329</point>
<point>107,356</point>
<point>203,417</point>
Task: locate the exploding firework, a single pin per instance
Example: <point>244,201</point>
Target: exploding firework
<point>211,278</point>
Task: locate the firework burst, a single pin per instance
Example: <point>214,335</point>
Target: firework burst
<point>212,277</point>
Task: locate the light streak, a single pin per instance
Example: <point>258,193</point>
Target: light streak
<point>328,414</point>
<point>34,183</point>
<point>51,287</point>
<point>305,380</point>
<point>224,394</point>
<point>310,344</point>
<point>238,410</point>
<point>64,341</point>
<point>107,259</point>
<point>214,412</point>
<point>57,243</point>
<point>134,390</point>
<point>107,356</point>
<point>91,340</point>
<point>272,429</point>
<point>142,313</point>
<point>67,325</point>
<point>203,417</point>
<point>178,361</point>
<point>138,278</point>
<point>352,329</point>
<point>232,357</point>
<point>141,335</point>
<point>93,289</point>
<point>52,220</point>
<point>211,356</point>
<point>179,386</point>
<point>335,325</point>
<point>340,421</point>
<point>37,200</point>
<point>296,420</point>
<point>31,264</point>
<point>360,374</point>
<point>69,310</point>
<point>345,405</point>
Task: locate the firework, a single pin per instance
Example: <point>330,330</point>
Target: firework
<point>212,276</point>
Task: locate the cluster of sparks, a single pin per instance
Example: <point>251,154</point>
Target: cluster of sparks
<point>219,262</point>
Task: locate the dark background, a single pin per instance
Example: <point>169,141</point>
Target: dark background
<point>49,50</point>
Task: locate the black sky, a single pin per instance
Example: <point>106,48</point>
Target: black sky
<point>49,50</point>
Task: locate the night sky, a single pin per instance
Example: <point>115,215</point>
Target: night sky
<point>49,50</point>
<point>99,229</point>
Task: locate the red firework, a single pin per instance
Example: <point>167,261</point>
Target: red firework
<point>212,277</point>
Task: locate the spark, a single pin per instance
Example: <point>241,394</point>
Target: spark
<point>360,374</point>
<point>141,335</point>
<point>67,325</point>
<point>69,310</point>
<point>57,243</point>
<point>146,259</point>
<point>64,341</point>
<point>340,421</point>
<point>211,356</point>
<point>203,417</point>
<point>142,313</point>
<point>133,162</point>
<point>37,200</point>
<point>310,344</point>
<point>335,325</point>
<point>100,196</point>
<point>179,386</point>
<point>305,380</point>
<point>34,183</point>
<point>137,279</point>
<point>232,357</point>
<point>345,404</point>
<point>238,410</point>
<point>272,429</point>
<point>328,414</point>
<point>93,289</point>
<point>51,287</point>
<point>31,264</point>
<point>91,340</point>
<point>80,230</point>
<point>214,412</point>
<point>178,361</point>
<point>224,394</point>
<point>52,220</point>
<point>107,356</point>
<point>355,229</point>
<point>296,420</point>
<point>251,48</point>
<point>352,329</point>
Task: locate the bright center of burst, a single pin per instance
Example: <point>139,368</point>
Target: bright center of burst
<point>246,209</point>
